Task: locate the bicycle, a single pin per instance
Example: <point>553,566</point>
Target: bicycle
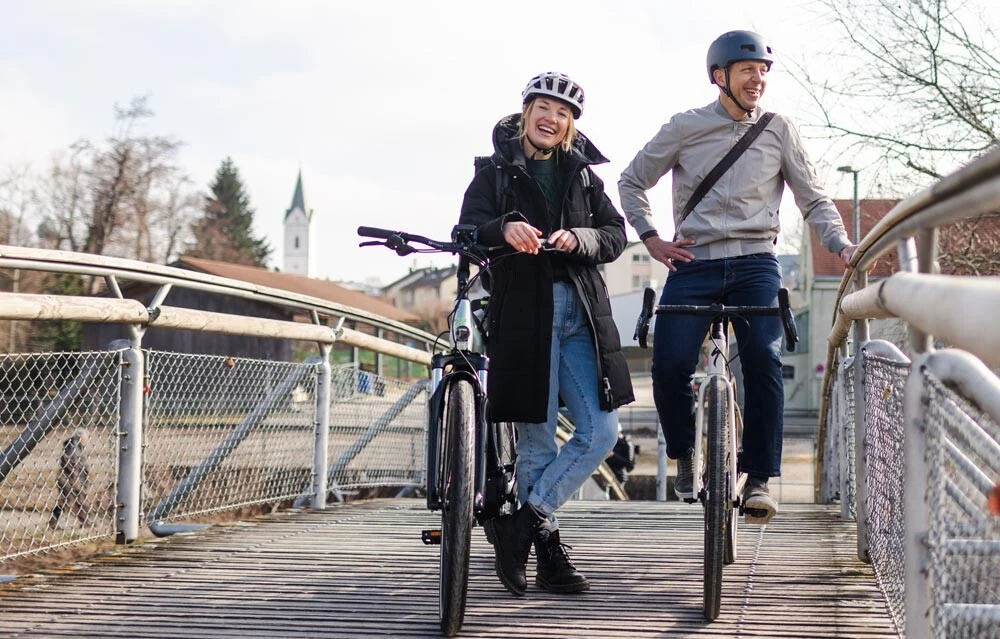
<point>470,461</point>
<point>719,484</point>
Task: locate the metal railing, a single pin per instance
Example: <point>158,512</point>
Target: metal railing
<point>909,441</point>
<point>118,442</point>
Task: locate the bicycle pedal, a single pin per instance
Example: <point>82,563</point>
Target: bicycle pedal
<point>691,500</point>
<point>431,537</point>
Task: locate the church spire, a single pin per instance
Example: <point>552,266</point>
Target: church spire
<point>298,200</point>
<point>297,220</point>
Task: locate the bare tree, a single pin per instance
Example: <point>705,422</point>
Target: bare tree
<point>916,91</point>
<point>123,197</point>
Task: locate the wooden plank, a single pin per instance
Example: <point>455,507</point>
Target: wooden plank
<point>360,570</point>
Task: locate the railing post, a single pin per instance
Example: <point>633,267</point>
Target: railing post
<point>916,518</point>
<point>130,423</point>
<point>661,463</point>
<point>843,452</point>
<point>322,425</point>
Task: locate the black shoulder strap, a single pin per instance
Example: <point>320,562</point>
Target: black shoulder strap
<point>500,196</point>
<point>724,164</point>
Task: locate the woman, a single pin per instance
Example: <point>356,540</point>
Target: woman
<point>551,333</point>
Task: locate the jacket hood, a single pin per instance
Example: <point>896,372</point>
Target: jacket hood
<point>508,148</point>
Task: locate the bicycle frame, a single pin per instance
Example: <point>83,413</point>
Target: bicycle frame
<point>718,366</point>
<point>466,358</point>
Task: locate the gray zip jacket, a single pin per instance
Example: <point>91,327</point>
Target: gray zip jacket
<point>739,215</point>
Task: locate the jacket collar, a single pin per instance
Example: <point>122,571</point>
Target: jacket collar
<point>720,110</point>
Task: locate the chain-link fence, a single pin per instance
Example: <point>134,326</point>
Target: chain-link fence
<point>58,436</point>
<point>963,465</point>
<point>225,432</point>
<point>377,430</point>
<point>883,449</point>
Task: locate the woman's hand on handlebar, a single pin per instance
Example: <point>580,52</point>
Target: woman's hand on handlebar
<point>523,237</point>
<point>564,240</point>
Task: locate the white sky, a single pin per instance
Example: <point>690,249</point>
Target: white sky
<point>382,105</point>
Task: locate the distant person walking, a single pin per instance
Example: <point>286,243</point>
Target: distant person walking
<point>73,480</point>
<point>551,332</point>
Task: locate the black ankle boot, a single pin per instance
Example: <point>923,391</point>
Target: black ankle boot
<point>512,535</point>
<point>556,573</point>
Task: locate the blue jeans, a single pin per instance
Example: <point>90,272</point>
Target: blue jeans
<point>548,476</point>
<point>751,280</point>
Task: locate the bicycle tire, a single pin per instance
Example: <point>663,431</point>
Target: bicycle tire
<point>459,426</point>
<point>732,513</point>
<point>716,494</point>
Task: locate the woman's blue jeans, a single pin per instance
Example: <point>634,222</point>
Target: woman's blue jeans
<point>548,476</point>
<point>750,280</point>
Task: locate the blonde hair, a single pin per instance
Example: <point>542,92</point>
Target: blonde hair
<point>567,142</point>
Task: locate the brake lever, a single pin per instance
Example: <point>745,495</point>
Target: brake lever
<point>372,243</point>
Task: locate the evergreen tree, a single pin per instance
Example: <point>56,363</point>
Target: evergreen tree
<point>225,231</point>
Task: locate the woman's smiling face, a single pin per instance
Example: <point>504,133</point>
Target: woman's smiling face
<point>546,123</point>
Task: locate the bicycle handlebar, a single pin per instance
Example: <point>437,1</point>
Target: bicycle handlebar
<point>463,242</point>
<point>783,310</point>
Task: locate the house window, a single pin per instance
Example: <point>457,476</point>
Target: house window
<point>787,371</point>
<point>636,281</point>
<point>640,257</point>
<point>296,241</point>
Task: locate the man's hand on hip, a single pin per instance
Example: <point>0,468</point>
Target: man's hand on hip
<point>668,252</point>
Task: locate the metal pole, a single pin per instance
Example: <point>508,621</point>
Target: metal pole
<point>857,211</point>
<point>322,424</point>
<point>130,420</point>
<point>661,464</point>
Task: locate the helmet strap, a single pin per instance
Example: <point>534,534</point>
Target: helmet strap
<point>732,97</point>
<point>537,149</point>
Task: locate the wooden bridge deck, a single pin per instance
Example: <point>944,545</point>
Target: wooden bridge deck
<point>360,570</point>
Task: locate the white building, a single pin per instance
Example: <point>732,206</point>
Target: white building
<point>297,219</point>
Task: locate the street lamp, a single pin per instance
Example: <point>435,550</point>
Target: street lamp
<point>857,208</point>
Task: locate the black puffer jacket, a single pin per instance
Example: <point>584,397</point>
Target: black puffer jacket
<point>519,320</point>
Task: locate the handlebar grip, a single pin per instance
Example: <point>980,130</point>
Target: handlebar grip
<point>371,231</point>
<point>788,320</point>
<point>642,325</point>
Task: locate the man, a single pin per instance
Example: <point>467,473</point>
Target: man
<point>723,251</point>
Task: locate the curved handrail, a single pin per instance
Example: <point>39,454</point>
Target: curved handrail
<point>17,257</point>
<point>966,193</point>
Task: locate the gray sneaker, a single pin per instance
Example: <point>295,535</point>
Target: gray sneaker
<point>758,505</point>
<point>684,484</point>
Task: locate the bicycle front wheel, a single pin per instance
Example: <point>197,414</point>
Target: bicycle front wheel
<point>732,514</point>
<point>716,493</point>
<point>459,425</point>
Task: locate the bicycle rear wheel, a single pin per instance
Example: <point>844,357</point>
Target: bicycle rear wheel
<point>716,493</point>
<point>459,425</point>
<point>500,490</point>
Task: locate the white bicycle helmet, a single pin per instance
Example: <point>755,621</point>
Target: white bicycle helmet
<point>557,85</point>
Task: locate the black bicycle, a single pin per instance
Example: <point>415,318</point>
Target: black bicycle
<point>470,460</point>
<point>718,483</point>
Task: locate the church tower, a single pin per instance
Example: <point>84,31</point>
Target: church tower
<point>297,220</point>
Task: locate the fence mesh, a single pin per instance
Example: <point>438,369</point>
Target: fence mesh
<point>58,436</point>
<point>885,381</point>
<point>223,433</point>
<point>848,430</point>
<point>963,464</point>
<point>377,430</point>
<point>829,488</point>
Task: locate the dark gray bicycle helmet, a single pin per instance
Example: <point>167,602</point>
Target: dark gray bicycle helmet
<point>735,46</point>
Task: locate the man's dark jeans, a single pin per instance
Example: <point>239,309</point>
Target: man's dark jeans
<point>751,280</point>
